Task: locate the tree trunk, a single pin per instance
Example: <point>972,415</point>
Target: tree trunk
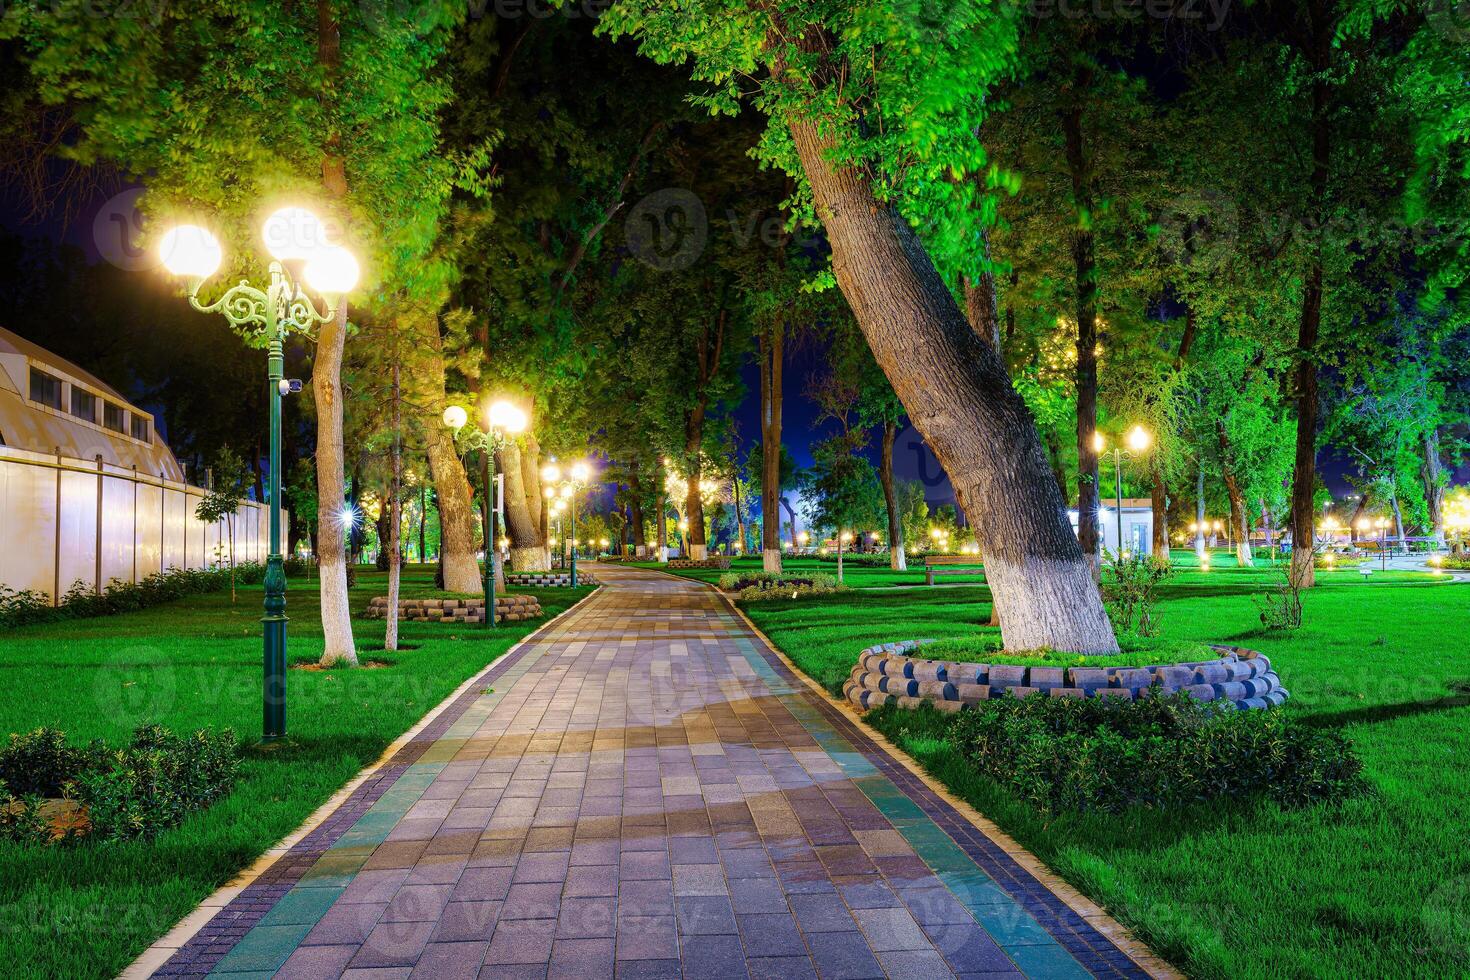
<point>1160,543</point>
<point>1433,486</point>
<point>639,537</point>
<point>1304,469</point>
<point>395,514</point>
<point>1398,523</point>
<point>896,557</point>
<point>982,304</point>
<point>535,503</point>
<point>694,515</point>
<point>337,642</point>
<point>772,354</point>
<point>956,391</point>
<point>1199,513</point>
<point>1239,517</point>
<point>423,521</point>
<point>739,514</point>
<point>792,515</point>
<point>661,530</point>
<point>232,559</point>
<point>527,550</point>
<point>1084,271</point>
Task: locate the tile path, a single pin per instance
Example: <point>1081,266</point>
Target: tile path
<point>643,789</point>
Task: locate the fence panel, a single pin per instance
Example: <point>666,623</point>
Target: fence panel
<point>106,523</point>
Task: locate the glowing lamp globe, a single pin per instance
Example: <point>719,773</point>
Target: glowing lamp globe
<point>581,471</point>
<point>455,417</point>
<point>294,233</point>
<point>1139,439</point>
<point>1097,442</point>
<point>332,271</point>
<point>549,493</point>
<point>191,251</point>
<point>551,472</point>
<point>506,417</point>
<point>566,490</point>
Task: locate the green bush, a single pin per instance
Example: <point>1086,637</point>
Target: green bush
<point>39,763</point>
<point>816,584</point>
<point>151,784</point>
<point>21,608</point>
<point>1075,754</point>
<point>866,559</point>
<point>158,780</point>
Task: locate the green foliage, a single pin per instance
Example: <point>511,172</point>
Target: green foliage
<point>152,783</point>
<point>20,608</point>
<point>156,781</point>
<point>1131,591</point>
<point>777,589</point>
<point>1281,606</point>
<point>1163,753</point>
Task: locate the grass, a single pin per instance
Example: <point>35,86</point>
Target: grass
<point>1136,652</point>
<point>856,576</point>
<point>88,911</point>
<point>1376,887</point>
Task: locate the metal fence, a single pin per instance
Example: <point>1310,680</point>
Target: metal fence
<point>65,520</point>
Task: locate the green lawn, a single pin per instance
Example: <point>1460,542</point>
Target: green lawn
<point>87,911</point>
<point>853,575</point>
<point>1376,887</point>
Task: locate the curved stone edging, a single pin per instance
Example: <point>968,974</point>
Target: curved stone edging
<point>549,579</point>
<point>885,674</point>
<point>510,608</point>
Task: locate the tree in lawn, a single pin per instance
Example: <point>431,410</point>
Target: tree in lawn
<point>868,106</point>
<point>788,480</point>
<point>137,89</point>
<point>227,490</point>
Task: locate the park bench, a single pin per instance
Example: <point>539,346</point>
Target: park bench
<point>949,565</point>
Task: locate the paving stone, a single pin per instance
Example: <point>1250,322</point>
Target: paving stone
<point>646,791</point>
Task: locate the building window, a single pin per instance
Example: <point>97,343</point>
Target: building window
<point>112,417</point>
<point>83,404</point>
<point>45,389</point>
<point>140,428</point>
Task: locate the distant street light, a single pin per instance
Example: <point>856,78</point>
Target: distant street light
<point>292,235</point>
<point>1138,442</point>
<point>500,421</point>
<point>578,476</point>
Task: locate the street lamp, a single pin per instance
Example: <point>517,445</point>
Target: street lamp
<point>1138,442</point>
<point>578,475</point>
<point>269,314</point>
<point>501,421</point>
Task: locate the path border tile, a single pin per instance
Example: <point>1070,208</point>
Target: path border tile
<point>203,937</point>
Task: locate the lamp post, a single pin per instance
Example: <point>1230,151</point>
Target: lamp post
<point>501,421</point>
<point>294,237</point>
<point>576,478</point>
<point>1138,442</point>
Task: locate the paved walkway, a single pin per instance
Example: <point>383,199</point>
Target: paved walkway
<point>645,790</point>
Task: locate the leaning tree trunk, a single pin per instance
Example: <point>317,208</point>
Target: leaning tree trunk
<point>694,515</point>
<point>527,550</point>
<point>453,495</point>
<point>639,537</point>
<point>955,389</point>
<point>792,515</point>
<point>1398,523</point>
<point>661,528</point>
<point>1433,486</point>
<point>896,558</point>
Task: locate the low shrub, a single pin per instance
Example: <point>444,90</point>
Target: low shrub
<point>1097,754</point>
<point>866,559</point>
<point>23,607</point>
<point>792,588</point>
<point>150,784</point>
<point>1460,562</point>
<point>1281,608</point>
<point>1131,591</point>
<point>739,581</point>
<point>1327,561</point>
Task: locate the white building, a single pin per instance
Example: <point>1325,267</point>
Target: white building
<point>88,492</point>
<point>1138,524</point>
